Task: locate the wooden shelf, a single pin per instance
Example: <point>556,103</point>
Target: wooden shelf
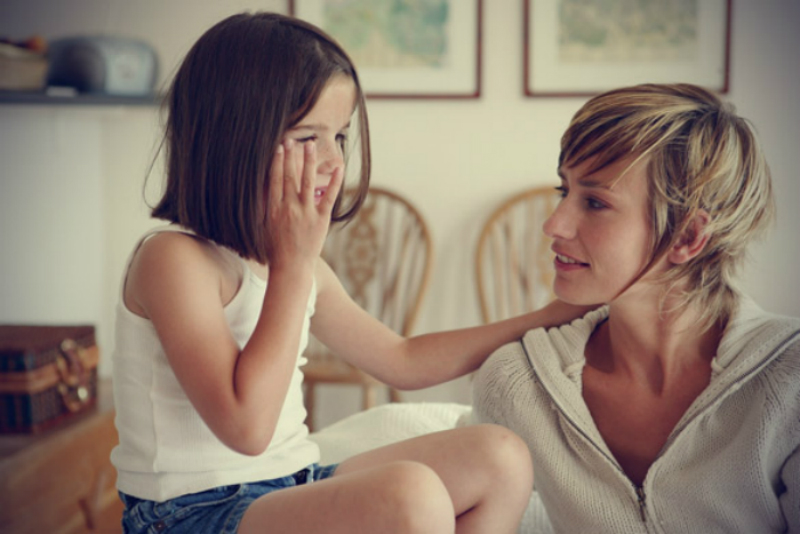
<point>80,99</point>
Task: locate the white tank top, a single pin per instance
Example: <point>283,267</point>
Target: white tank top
<point>165,448</point>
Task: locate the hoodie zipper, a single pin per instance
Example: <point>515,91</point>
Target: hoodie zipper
<point>642,503</point>
<point>638,491</point>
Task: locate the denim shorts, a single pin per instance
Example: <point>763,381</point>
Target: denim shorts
<point>214,511</point>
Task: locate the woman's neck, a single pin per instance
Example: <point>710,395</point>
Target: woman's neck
<point>654,348</point>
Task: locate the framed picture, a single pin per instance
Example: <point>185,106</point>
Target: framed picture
<point>585,47</point>
<point>405,48</point>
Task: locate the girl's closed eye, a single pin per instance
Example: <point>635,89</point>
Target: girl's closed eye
<point>305,140</point>
<point>341,140</point>
<point>562,191</point>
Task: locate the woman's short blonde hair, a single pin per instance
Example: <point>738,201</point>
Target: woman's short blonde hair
<point>701,156</point>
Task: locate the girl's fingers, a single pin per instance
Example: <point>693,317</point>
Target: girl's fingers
<point>329,199</point>
<point>290,182</point>
<point>309,172</point>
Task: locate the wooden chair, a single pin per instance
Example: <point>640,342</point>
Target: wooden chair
<point>383,257</point>
<point>514,270</point>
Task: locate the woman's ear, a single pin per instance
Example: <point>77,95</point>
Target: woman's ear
<point>692,240</point>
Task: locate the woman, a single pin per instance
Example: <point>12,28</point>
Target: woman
<point>675,407</point>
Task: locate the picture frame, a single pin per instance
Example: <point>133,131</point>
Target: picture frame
<point>573,49</point>
<point>441,61</point>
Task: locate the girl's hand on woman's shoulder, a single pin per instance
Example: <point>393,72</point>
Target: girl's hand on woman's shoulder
<point>558,312</point>
<point>297,222</point>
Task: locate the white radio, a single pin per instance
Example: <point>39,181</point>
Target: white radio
<point>103,64</point>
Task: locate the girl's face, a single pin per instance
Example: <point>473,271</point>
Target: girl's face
<point>327,125</point>
<point>601,232</point>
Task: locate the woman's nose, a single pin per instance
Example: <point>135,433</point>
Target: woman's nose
<point>560,224</point>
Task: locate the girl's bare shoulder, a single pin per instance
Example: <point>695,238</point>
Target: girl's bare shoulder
<point>171,251</point>
<point>168,261</point>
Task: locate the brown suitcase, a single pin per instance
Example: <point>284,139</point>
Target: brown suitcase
<point>47,374</point>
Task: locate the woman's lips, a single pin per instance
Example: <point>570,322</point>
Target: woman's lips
<point>568,263</point>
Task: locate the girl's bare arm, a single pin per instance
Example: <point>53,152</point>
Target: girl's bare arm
<point>419,361</point>
<point>238,391</point>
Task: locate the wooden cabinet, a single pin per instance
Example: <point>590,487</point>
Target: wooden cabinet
<point>62,481</point>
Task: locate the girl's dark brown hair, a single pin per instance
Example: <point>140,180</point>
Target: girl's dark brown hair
<point>246,81</point>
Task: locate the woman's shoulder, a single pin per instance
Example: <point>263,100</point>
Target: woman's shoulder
<point>563,346</point>
<point>557,346</point>
<point>509,356</point>
<point>786,363</point>
<point>752,331</point>
<point>504,376</point>
<point>506,367</point>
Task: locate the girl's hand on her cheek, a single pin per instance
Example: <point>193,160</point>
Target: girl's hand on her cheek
<point>296,225</point>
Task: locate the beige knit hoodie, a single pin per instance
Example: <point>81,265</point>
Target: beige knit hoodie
<point>731,465</point>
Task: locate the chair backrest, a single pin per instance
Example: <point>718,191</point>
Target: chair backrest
<point>383,257</point>
<point>514,269</point>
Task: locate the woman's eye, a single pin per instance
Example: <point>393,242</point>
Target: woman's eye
<point>594,204</point>
<point>306,139</point>
<point>562,191</point>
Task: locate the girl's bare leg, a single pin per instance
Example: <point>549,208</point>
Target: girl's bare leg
<point>480,475</point>
<point>401,497</point>
<point>486,469</point>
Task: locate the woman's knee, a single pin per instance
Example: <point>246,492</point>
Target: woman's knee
<point>417,499</point>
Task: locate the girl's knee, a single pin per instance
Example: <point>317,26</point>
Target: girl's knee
<point>505,452</point>
<point>417,499</point>
<point>496,437</point>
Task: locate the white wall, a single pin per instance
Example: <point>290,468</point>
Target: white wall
<point>71,191</point>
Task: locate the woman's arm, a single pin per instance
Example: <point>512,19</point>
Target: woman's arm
<point>420,361</point>
<point>790,470</point>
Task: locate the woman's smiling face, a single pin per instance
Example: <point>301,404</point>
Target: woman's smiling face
<point>601,231</point>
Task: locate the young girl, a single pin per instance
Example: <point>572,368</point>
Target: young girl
<point>216,309</point>
<point>676,408</point>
